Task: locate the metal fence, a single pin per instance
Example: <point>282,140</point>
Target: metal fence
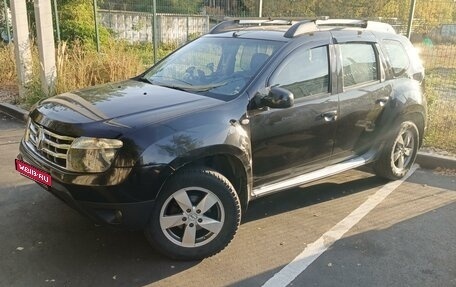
<point>5,22</point>
<point>431,17</point>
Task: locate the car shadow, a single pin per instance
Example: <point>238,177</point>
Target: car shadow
<point>310,194</point>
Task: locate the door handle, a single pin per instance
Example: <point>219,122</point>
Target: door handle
<point>382,101</point>
<point>329,116</point>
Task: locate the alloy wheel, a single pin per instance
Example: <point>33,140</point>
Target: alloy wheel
<point>192,217</point>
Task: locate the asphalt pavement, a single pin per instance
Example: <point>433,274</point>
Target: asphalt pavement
<point>407,239</point>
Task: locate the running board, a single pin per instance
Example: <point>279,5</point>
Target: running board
<point>314,175</point>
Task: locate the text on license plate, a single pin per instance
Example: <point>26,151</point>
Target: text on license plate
<point>33,173</point>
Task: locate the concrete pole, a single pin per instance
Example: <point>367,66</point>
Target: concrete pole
<point>22,49</point>
<point>46,46</point>
<point>260,9</point>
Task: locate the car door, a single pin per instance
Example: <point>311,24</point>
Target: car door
<point>362,97</point>
<point>288,142</point>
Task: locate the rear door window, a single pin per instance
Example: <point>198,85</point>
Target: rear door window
<point>359,63</point>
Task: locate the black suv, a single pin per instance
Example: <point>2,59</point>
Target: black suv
<point>252,108</point>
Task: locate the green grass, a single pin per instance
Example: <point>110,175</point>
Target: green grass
<point>440,64</point>
<point>441,97</point>
<point>441,132</point>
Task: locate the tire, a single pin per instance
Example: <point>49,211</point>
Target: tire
<point>196,215</point>
<point>399,153</point>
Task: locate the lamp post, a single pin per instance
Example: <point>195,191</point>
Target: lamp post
<point>57,25</point>
<point>410,20</point>
<point>154,28</point>
<point>8,33</point>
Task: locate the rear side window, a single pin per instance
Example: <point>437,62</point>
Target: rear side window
<point>397,56</point>
<point>304,73</point>
<point>359,63</point>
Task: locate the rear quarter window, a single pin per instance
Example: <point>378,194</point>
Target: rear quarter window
<point>397,56</point>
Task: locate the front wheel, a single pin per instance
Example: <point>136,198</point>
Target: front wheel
<point>196,215</point>
<point>399,153</point>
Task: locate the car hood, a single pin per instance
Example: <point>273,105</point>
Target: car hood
<point>117,102</point>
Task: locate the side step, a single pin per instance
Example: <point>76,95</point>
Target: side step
<point>314,175</point>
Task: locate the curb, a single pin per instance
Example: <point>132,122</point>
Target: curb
<point>424,159</point>
<point>432,161</point>
<point>14,111</point>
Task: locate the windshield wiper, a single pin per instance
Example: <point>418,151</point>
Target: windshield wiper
<point>179,88</point>
<point>145,80</point>
<point>205,88</point>
<point>186,88</point>
<point>172,79</point>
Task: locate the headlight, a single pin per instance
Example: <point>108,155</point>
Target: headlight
<point>92,154</point>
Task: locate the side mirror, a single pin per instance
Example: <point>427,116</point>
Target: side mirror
<point>278,98</point>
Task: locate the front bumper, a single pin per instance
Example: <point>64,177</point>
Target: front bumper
<point>131,215</point>
<point>126,203</point>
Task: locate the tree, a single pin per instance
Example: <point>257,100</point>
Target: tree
<point>77,22</point>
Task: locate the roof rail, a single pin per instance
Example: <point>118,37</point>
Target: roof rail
<point>368,25</point>
<point>232,24</point>
<point>315,25</point>
<point>302,27</point>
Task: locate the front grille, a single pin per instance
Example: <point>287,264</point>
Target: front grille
<point>49,145</point>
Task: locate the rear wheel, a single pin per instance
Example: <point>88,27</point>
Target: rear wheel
<point>196,215</point>
<point>399,153</point>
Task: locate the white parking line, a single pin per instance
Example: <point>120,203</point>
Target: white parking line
<point>288,273</point>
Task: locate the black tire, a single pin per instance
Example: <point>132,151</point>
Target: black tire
<point>399,153</point>
<point>192,201</point>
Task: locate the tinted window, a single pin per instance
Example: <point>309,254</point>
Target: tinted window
<point>359,63</point>
<point>304,73</point>
<point>397,56</point>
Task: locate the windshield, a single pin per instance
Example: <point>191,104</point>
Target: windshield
<point>216,67</point>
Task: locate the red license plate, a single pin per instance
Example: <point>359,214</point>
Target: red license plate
<point>32,172</point>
